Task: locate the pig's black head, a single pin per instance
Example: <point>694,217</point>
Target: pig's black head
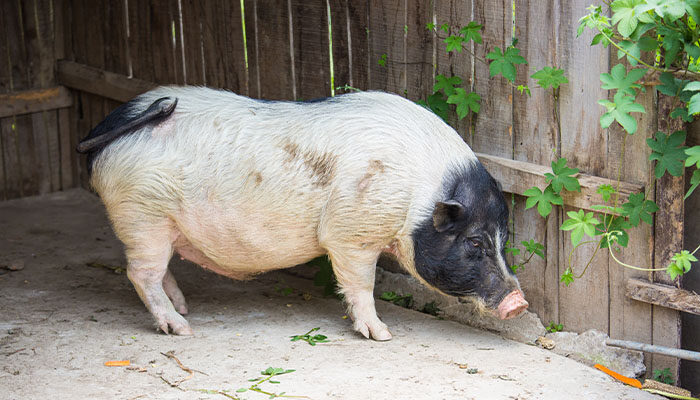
<point>459,250</point>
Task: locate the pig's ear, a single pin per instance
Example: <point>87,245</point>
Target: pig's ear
<point>446,214</point>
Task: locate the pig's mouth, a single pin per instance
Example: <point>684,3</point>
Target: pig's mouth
<point>512,305</point>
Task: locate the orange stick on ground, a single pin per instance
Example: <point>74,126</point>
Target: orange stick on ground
<point>630,381</point>
<point>121,363</point>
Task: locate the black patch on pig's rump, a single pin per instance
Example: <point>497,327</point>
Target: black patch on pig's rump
<point>124,119</point>
<point>460,259</point>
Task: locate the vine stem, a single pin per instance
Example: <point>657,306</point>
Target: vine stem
<point>612,254</point>
<point>590,261</point>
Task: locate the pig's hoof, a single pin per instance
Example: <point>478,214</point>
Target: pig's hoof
<point>177,325</point>
<point>182,309</point>
<point>378,331</point>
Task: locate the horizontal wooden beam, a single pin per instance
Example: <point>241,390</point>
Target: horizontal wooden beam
<point>100,82</point>
<point>518,176</point>
<point>663,295</point>
<point>35,100</point>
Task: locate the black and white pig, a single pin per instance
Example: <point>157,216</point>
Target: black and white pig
<point>243,186</point>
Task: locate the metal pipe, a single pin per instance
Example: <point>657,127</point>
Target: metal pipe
<point>651,348</point>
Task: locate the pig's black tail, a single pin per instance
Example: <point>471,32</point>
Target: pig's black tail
<point>121,121</point>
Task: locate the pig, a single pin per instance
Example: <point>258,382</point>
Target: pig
<point>243,186</point>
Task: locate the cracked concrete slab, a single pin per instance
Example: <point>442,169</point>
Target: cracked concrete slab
<point>61,319</point>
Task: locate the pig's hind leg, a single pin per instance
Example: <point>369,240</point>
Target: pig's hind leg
<point>354,270</point>
<point>149,250</point>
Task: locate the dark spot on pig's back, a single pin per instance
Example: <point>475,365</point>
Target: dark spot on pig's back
<point>322,166</point>
<point>375,167</point>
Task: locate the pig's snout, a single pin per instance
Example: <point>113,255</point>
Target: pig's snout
<point>512,305</point>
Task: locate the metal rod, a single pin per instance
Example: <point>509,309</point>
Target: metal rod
<point>650,348</point>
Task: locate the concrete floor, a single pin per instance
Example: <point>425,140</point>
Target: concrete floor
<point>61,319</point>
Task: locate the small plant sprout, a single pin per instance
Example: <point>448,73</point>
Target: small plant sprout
<point>400,300</point>
<point>663,376</point>
<point>552,327</point>
<point>312,340</point>
<point>382,60</point>
<point>267,376</point>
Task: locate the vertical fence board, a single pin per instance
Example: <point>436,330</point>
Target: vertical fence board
<point>582,131</point>
<point>233,57</point>
<point>456,14</point>
<point>341,51</point>
<point>386,35</point>
<point>494,129</point>
<point>419,50</point>
<point>163,46</point>
<point>311,57</point>
<point>140,33</point>
<point>535,135</point>
<point>274,57</point>
<point>358,20</point>
<point>5,136</point>
<point>192,33</point>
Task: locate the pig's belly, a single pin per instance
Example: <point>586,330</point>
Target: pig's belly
<point>239,242</point>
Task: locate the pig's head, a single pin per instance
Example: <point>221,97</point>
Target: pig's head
<point>460,249</point>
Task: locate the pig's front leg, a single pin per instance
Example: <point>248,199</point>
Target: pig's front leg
<point>148,271</point>
<point>354,271</point>
<point>174,293</point>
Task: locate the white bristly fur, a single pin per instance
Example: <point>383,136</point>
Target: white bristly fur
<point>242,186</point>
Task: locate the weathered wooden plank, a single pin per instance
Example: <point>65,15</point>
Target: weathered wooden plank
<point>103,83</point>
<point>67,155</point>
<point>311,53</point>
<point>583,144</point>
<point>386,34</point>
<point>668,239</point>
<point>419,50</point>
<point>494,122</point>
<point>663,295</point>
<point>251,31</point>
<point>518,176</point>
<point>67,152</point>
<point>359,45</point>
<point>535,134</point>
<point>340,38</point>
<point>34,100</point>
<point>230,29</point>
<point>274,59</point>
<point>12,166</point>
<point>192,37</point>
<point>140,44</point>
<point>163,41</point>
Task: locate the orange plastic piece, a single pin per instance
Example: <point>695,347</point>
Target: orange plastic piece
<point>629,381</point>
<point>121,363</point>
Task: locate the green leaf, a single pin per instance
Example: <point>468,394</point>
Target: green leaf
<point>504,63</point>
<point>550,77</point>
<point>562,177</point>
<point>436,103</point>
<point>635,48</point>
<point>543,200</point>
<point>618,225</point>
<point>690,87</point>
<point>524,88</point>
<point>667,9</point>
<point>445,28</point>
<point>681,113</point>
<point>567,277</point>
<point>669,153</point>
<point>619,111</point>
<point>680,264</point>
<point>606,191</point>
<point>692,7</point>
<point>430,26</point>
<point>472,32</point>
<point>447,85</point>
<point>694,182</point>
<point>672,43</point>
<point>534,247</point>
<point>465,102</point>
<point>620,79</point>
<point>454,43</point>
<point>693,154</point>
<point>694,104</point>
<point>580,223</point>
<point>382,60</point>
<point>637,209</point>
<point>241,390</point>
<point>625,15</point>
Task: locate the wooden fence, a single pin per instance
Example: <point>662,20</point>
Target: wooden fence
<point>109,51</point>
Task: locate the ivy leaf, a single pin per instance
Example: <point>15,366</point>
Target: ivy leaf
<point>562,177</point>
<point>511,250</point>
<point>454,43</point>
<point>543,200</point>
<point>534,247</point>
<point>437,104</point>
<point>692,7</point>
<point>619,111</point>
<point>694,104</point>
<point>637,208</point>
<point>465,102</point>
<point>550,77</point>
<point>672,43</point>
<point>567,277</point>
<point>504,63</point>
<point>681,113</point>
<point>620,79</point>
<point>447,85</point>
<point>625,15</point>
<point>430,26</point>
<point>694,182</point>
<point>667,9</point>
<point>635,48</point>
<point>669,153</point>
<point>616,224</point>
<point>606,191</point>
<point>579,223</point>
<point>445,28</point>
<point>472,32</point>
<point>693,154</point>
<point>680,264</point>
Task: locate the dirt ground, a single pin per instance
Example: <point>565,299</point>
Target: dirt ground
<point>62,319</point>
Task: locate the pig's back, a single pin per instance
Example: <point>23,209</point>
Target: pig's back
<point>247,182</point>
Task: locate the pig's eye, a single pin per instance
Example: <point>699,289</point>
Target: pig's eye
<point>474,242</point>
